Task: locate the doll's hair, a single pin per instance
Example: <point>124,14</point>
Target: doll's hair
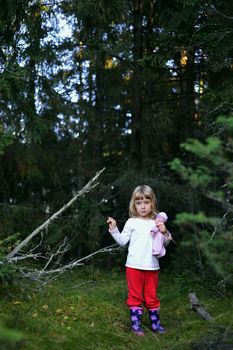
<point>142,191</point>
<point>162,215</point>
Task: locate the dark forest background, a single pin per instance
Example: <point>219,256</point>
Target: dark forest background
<point>142,88</point>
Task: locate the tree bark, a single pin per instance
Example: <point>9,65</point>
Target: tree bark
<point>136,137</point>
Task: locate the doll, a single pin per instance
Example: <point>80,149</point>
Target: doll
<point>158,248</point>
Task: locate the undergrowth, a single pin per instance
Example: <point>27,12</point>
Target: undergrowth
<point>85,309</point>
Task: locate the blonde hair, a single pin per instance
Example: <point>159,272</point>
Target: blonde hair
<point>138,193</point>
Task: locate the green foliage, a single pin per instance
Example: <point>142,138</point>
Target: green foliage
<point>210,175</point>
<point>199,218</point>
<point>85,309</point>
<point>123,87</point>
<point>201,176</point>
<point>5,140</point>
<point>9,243</point>
<point>210,150</point>
<point>7,271</point>
<point>9,335</point>
<point>226,122</point>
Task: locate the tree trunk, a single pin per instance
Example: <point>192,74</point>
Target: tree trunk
<point>137,122</point>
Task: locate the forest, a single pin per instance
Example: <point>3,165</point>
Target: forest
<point>96,98</point>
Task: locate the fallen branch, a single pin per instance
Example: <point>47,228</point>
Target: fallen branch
<point>196,306</point>
<point>73,263</point>
<point>48,269</point>
<point>43,276</point>
<point>87,188</point>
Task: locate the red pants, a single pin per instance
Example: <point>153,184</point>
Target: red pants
<point>142,288</point>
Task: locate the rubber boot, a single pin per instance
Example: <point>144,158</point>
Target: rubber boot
<point>136,316</point>
<point>155,321</point>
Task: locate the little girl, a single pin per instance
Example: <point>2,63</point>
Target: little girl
<point>142,267</point>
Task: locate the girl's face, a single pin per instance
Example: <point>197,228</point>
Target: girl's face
<point>143,207</point>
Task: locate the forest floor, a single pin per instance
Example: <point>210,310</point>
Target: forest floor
<point>85,309</point>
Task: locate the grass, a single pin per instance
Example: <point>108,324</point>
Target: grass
<point>85,309</point>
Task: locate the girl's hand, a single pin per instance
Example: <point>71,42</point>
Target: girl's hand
<point>162,228</point>
<point>111,223</point>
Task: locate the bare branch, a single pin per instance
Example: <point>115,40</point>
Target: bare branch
<point>43,273</point>
<point>43,276</point>
<point>63,248</point>
<point>15,259</point>
<point>87,188</point>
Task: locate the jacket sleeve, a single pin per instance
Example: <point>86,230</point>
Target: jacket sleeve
<point>123,237</point>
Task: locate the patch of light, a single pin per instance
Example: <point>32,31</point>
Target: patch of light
<point>126,131</point>
<point>170,63</point>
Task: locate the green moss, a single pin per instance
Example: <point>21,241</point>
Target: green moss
<point>85,309</point>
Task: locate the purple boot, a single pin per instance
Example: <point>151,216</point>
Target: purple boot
<point>155,321</point>
<point>136,316</point>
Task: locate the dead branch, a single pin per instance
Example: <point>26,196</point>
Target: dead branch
<point>87,188</point>
<point>73,263</point>
<point>49,267</point>
<point>196,306</point>
<point>35,256</point>
<point>43,276</point>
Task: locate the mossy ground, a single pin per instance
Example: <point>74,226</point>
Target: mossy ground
<point>85,309</point>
